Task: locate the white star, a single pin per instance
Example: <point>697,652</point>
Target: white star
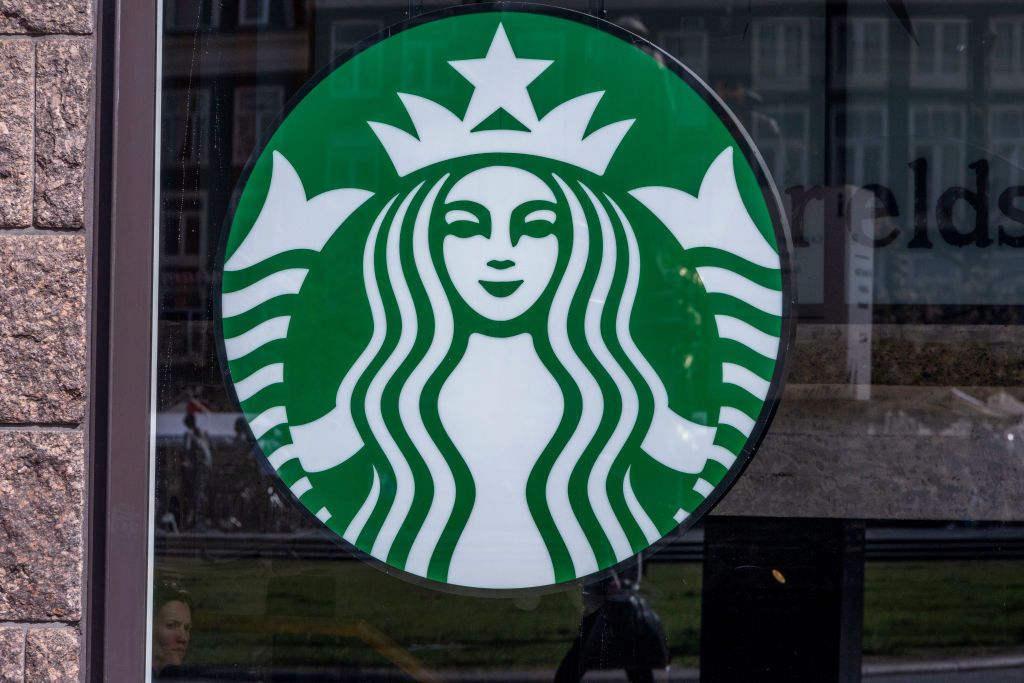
<point>500,80</point>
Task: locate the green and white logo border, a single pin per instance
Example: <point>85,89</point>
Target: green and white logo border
<point>772,202</point>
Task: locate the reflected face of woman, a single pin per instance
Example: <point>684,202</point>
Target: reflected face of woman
<point>172,628</point>
<point>501,250</point>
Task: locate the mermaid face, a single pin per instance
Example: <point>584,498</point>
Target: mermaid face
<point>501,249</point>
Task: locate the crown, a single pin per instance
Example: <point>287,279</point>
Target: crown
<point>500,81</point>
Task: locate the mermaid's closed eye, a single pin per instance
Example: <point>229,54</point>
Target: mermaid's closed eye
<point>546,215</point>
<point>460,216</point>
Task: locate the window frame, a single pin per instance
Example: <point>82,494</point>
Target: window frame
<point>774,82</point>
<point>124,173</point>
<point>996,141</point>
<point>1013,78</point>
<point>191,122</point>
<point>939,150</point>
<point>239,152</point>
<point>780,146</point>
<point>669,41</point>
<point>857,144</point>
<point>336,47</point>
<point>173,25</point>
<point>842,32</point>
<point>937,79</point>
<point>263,17</point>
<point>191,200</point>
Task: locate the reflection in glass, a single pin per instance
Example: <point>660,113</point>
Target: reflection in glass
<point>865,127</point>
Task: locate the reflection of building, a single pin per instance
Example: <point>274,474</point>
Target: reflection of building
<point>688,46</point>
<point>860,51</point>
<point>938,132</point>
<point>1006,135</point>
<point>861,134</point>
<point>832,97</point>
<point>780,56</point>
<point>256,107</point>
<point>1007,51</point>
<point>939,59</point>
<point>185,126</point>
<point>782,132</point>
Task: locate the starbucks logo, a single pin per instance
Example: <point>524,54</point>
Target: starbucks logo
<point>503,299</point>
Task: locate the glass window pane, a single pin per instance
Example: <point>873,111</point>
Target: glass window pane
<point>927,49</point>
<point>952,48</point>
<point>1004,47</point>
<point>872,48</point>
<point>793,40</point>
<point>766,63</point>
<point>898,164</point>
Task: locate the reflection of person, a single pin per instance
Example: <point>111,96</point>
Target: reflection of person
<point>199,461</point>
<point>619,631</point>
<point>172,629</point>
<point>256,494</point>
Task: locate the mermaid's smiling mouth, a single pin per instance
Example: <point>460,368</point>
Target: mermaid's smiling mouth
<point>500,289</point>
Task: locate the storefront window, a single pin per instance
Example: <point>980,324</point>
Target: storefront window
<point>887,491</point>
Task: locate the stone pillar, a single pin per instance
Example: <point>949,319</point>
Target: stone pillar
<point>46,57</point>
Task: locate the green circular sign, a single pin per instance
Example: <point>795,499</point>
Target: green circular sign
<point>504,298</point>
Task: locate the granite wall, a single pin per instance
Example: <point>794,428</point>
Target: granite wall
<point>46,63</point>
